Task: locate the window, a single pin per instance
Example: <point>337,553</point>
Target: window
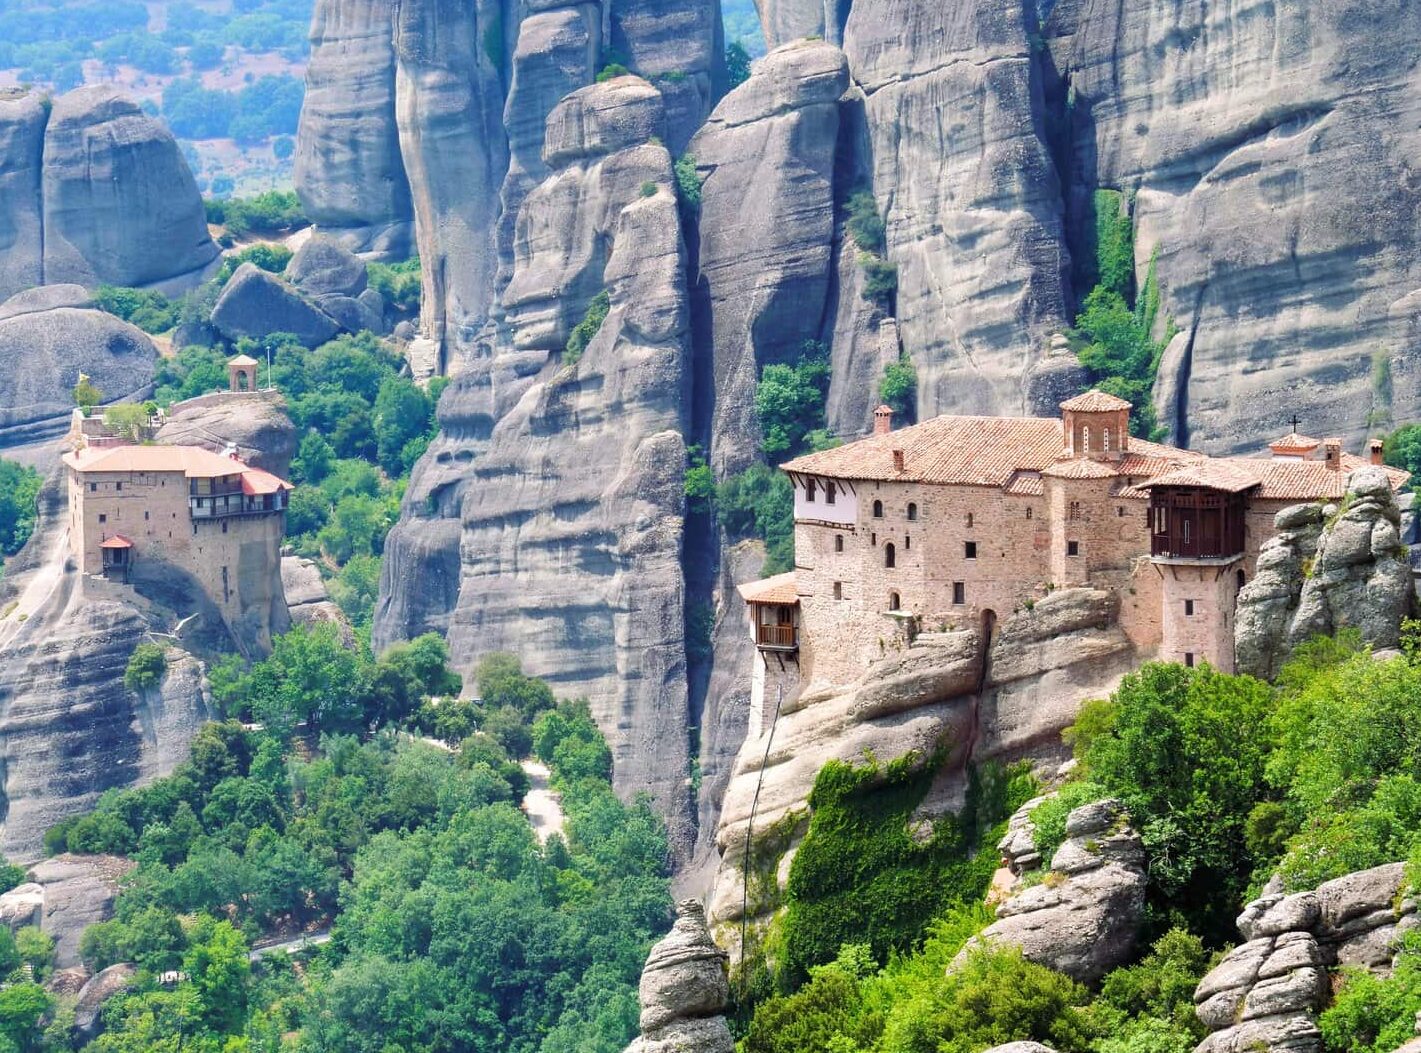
<point>838,590</point>
<point>1075,509</point>
<point>873,537</point>
<point>93,488</point>
<point>1120,511</point>
<point>809,491</point>
<point>890,555</point>
<point>145,517</point>
<point>1085,440</point>
<point>1160,521</point>
<point>907,542</point>
<point>912,511</point>
<point>838,542</point>
<point>1189,608</point>
<point>959,592</point>
<point>1107,440</point>
<point>1073,548</point>
<point>103,518</point>
<point>224,526</point>
<point>969,520</point>
<point>118,486</point>
<point>829,490</point>
<point>1187,524</point>
<point>878,510</point>
<point>970,550</point>
<point>894,603</point>
<point>1189,659</point>
<point>1028,513</point>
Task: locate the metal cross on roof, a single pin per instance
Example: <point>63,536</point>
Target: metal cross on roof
<point>1295,422</point>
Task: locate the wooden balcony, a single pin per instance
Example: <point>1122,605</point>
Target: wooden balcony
<point>780,637</point>
<point>1196,524</point>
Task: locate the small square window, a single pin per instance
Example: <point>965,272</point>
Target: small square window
<point>93,488</point>
<point>838,542</point>
<point>1189,659</point>
<point>1073,548</point>
<point>959,592</point>
<point>1120,511</point>
<point>969,520</point>
<point>838,590</point>
<point>103,518</point>
<point>970,550</point>
<point>118,486</point>
<point>1028,513</point>
<point>145,517</point>
<point>1189,608</point>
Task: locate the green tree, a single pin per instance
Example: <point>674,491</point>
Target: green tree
<point>1402,449</point>
<point>737,64</point>
<point>402,412</point>
<point>145,668</point>
<point>899,388</point>
<point>86,395</point>
<point>217,966</point>
<point>588,328</point>
<point>789,401</point>
<point>19,490</point>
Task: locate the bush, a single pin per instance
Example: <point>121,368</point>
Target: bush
<point>688,184</point>
<point>398,283</point>
<point>1049,817</point>
<point>880,280</point>
<point>737,64</point>
<point>148,309</point>
<point>145,668</point>
<point>899,388</point>
<point>587,329</point>
<point>759,503</point>
<point>267,256</point>
<point>789,401</point>
<point>273,212</point>
<point>19,492</point>
<point>865,225</point>
<point>1372,1013</point>
<point>611,72</point>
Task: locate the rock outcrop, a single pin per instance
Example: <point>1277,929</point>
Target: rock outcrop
<point>1328,568</point>
<point>679,46</point>
<point>348,169</point>
<point>97,990</point>
<point>22,120</point>
<point>44,349</point>
<point>787,20</point>
<point>940,688</point>
<point>684,991</point>
<point>1083,919</point>
<point>255,303</point>
<point>79,891</point>
<point>254,422</point>
<point>333,278</point>
<point>1266,992</point>
<point>120,204</point>
<point>546,519</point>
<point>766,157</point>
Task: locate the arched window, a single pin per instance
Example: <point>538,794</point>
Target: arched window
<point>878,510</point>
<point>838,542</point>
<point>1107,440</point>
<point>969,519</point>
<point>912,511</point>
<point>1028,513</point>
<point>809,490</point>
<point>894,603</point>
<point>890,555</point>
<point>1085,439</point>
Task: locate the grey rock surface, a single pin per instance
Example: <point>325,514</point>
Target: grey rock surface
<point>256,423</point>
<point>22,905</point>
<point>766,229</point>
<point>1321,573</point>
<point>678,45</point>
<point>1084,919</point>
<point>322,266</point>
<point>22,120</point>
<point>255,303</point>
<point>787,20</point>
<point>99,988</point>
<point>78,892</point>
<point>684,991</point>
<point>44,351</point>
<point>120,204</point>
<point>348,170</point>
<point>46,298</point>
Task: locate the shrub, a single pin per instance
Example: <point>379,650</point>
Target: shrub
<point>789,401</point>
<point>759,502</point>
<point>267,256</point>
<point>1372,1013</point>
<point>148,309</point>
<point>612,71</point>
<point>737,64</point>
<point>398,283</point>
<point>272,212</point>
<point>899,388</point>
<point>1049,818</point>
<point>126,419</point>
<point>688,184</point>
<point>19,492</point>
<point>86,394</point>
<point>145,668</point>
<point>587,329</point>
<point>880,280</point>
<point>865,225</point>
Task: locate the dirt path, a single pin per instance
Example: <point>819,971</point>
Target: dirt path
<point>542,806</point>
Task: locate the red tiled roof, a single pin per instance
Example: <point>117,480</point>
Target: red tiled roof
<point>974,451</point>
<point>1230,476</point>
<point>1082,468</point>
<point>1026,484</point>
<point>778,589</point>
<point>255,482</point>
<point>1294,441</point>
<point>117,541</point>
<point>193,461</point>
<point>1095,401</point>
<point>242,360</point>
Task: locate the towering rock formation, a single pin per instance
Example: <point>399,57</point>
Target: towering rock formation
<point>766,157</point>
<point>566,476</point>
<point>684,992</point>
<point>679,46</point>
<point>788,20</point>
<point>93,190</point>
<point>1269,150</point>
<point>349,172</point>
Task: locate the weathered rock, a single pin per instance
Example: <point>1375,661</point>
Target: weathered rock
<point>99,989</point>
<point>254,422</point>
<point>677,45</point>
<point>684,990</point>
<point>306,597</point>
<point>78,892</point>
<point>255,303</point>
<point>120,204</point>
<point>787,20</point>
<point>1288,270</point>
<point>44,351</point>
<point>1018,846</point>
<point>348,170</point>
<point>322,266</point>
<point>1316,578</point>
<point>960,164</point>
<point>22,119</point>
<point>766,230</point>
<point>46,298</point>
<point>22,905</point>
<point>1084,919</point>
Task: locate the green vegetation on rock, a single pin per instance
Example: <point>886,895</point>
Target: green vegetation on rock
<point>19,490</point>
<point>587,329</point>
<point>145,668</point>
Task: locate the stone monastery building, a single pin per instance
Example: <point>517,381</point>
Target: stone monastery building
<point>960,521</point>
<point>159,509</point>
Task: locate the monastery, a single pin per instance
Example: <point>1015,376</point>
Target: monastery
<point>960,521</point>
<point>164,512</point>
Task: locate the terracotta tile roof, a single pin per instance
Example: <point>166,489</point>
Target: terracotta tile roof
<point>973,451</point>
<point>1227,475</point>
<point>1082,468</point>
<point>242,360</point>
<point>1294,441</point>
<point>255,481</point>
<point>117,541</point>
<point>1095,402</point>
<point>778,589</point>
<point>1027,484</point>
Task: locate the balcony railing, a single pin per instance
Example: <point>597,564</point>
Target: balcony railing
<point>235,505</point>
<point>777,637</point>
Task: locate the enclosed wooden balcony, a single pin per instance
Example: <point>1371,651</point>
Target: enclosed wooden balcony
<point>1196,523</point>
<point>774,613</point>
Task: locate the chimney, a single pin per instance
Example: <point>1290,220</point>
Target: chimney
<point>897,460</point>
<point>1332,453</point>
<point>883,420</point>
<point>1374,451</point>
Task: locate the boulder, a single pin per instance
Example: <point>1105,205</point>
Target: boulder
<point>79,891</point>
<point>322,266</point>
<point>22,905</point>
<point>684,991</point>
<point>96,991</point>
<point>678,46</point>
<point>44,351</point>
<point>120,204</point>
<point>255,423</point>
<point>255,303</point>
<point>1084,919</point>
<point>46,298</point>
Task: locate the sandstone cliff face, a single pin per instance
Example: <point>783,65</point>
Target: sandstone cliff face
<point>566,548</point>
<point>348,169</point>
<point>92,190</point>
<point>1269,148</point>
<point>684,992</point>
<point>1327,569</point>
